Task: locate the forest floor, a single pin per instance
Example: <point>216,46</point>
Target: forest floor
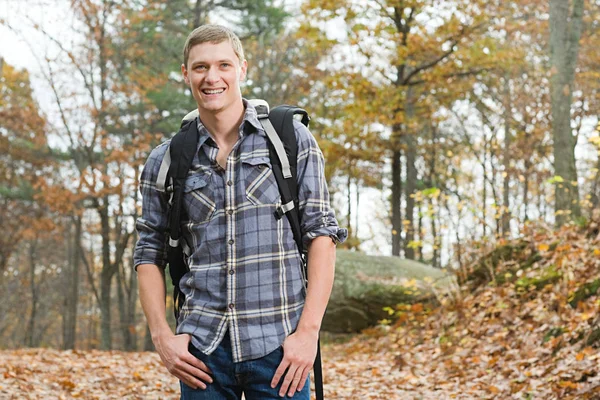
<point>524,325</point>
<point>365,367</point>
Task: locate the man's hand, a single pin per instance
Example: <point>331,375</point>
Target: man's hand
<point>173,351</point>
<point>299,352</point>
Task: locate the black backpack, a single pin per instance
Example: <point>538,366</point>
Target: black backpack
<point>283,151</point>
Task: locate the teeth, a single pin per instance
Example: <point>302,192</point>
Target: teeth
<point>214,91</point>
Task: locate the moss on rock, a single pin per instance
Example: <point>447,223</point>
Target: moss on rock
<point>365,284</point>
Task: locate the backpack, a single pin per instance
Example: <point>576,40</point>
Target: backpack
<point>283,150</point>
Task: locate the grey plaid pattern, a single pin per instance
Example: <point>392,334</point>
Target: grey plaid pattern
<point>245,270</point>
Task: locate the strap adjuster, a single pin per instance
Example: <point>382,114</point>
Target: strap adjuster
<point>282,209</point>
<point>279,213</point>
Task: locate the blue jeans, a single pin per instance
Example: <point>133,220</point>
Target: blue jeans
<point>230,380</point>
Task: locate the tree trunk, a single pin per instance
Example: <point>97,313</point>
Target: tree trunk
<point>132,296</point>
<point>396,190</point>
<point>349,200</point>
<point>434,233</point>
<point>68,239</point>
<point>34,295</point>
<point>126,309</point>
<point>105,279</point>
<point>433,183</point>
<point>411,177</point>
<point>484,194</point>
<point>148,345</point>
<point>459,249</point>
<point>526,190</point>
<point>541,204</point>
<point>493,185</point>
<point>133,286</point>
<point>123,325</point>
<point>506,161</point>
<point>92,325</point>
<point>72,292</point>
<point>420,235</point>
<point>565,32</point>
<point>357,208</point>
<point>105,314</point>
<point>199,18</point>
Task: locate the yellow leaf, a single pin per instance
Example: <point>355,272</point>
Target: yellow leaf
<point>568,384</point>
<point>543,247</point>
<point>580,356</point>
<point>493,389</point>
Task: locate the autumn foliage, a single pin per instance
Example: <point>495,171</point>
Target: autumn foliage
<point>530,331</point>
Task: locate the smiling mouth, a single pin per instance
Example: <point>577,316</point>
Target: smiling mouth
<point>212,91</point>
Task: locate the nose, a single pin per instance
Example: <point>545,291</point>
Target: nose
<point>212,75</point>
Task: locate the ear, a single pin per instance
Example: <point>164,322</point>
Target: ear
<point>184,72</point>
<point>243,70</point>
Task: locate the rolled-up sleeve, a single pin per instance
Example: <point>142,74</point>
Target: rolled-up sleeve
<point>152,225</point>
<point>317,218</point>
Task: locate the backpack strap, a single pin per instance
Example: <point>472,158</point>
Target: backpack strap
<point>262,109</point>
<point>179,158</point>
<point>279,127</point>
<point>283,151</point>
<point>161,180</point>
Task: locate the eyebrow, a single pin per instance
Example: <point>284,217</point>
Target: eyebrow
<point>218,62</point>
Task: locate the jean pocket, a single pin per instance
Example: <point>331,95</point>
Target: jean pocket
<point>197,198</point>
<point>261,186</point>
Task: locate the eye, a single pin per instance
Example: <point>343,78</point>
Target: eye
<point>200,67</point>
<point>225,65</point>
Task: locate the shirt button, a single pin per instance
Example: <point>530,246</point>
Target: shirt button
<point>231,241</point>
<point>229,211</point>
<point>231,306</point>
<point>231,272</point>
<point>229,183</point>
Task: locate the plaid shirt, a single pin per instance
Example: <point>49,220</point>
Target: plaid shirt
<point>245,269</point>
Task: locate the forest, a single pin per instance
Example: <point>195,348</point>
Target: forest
<point>462,136</point>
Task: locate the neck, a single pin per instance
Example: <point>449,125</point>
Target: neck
<point>222,125</point>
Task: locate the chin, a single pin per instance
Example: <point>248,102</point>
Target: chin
<point>212,107</point>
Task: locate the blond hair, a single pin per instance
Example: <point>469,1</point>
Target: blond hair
<point>212,34</point>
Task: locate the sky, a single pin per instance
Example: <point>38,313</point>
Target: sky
<point>47,13</point>
<point>27,48</point>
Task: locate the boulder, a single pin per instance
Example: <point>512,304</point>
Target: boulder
<point>365,284</point>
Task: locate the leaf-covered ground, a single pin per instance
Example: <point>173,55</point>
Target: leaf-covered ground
<point>53,374</point>
<point>528,327</point>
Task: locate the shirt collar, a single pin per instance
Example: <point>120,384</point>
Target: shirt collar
<point>250,124</point>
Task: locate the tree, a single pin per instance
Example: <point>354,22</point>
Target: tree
<point>565,32</point>
<point>406,58</point>
<point>25,156</point>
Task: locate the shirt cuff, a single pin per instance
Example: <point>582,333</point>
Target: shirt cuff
<point>338,235</point>
<point>149,256</point>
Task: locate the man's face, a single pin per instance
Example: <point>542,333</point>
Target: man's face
<point>214,73</point>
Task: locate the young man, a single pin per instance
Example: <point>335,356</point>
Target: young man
<point>247,325</point>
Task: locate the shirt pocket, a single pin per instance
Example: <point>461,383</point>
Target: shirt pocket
<point>199,205</point>
<point>261,186</point>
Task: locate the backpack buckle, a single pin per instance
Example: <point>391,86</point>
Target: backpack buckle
<point>279,213</point>
<point>261,106</point>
